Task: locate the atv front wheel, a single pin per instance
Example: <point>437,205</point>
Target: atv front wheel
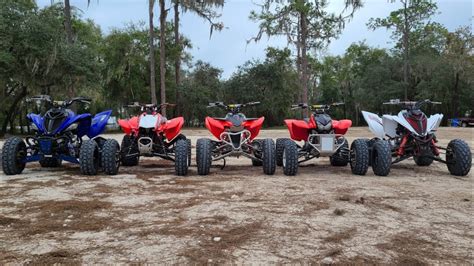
<point>203,156</point>
<point>268,156</point>
<point>110,157</point>
<point>290,158</point>
<point>359,157</point>
<point>381,158</point>
<point>128,147</point>
<point>89,157</point>
<point>280,146</point>
<point>340,158</point>
<point>259,156</point>
<point>50,162</point>
<point>181,159</point>
<point>458,157</point>
<point>188,141</point>
<point>13,156</point>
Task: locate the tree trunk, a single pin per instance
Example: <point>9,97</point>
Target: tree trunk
<point>177,63</point>
<point>11,111</point>
<point>163,13</point>
<point>455,99</point>
<point>304,60</point>
<point>152,52</point>
<point>406,66</point>
<point>69,37</point>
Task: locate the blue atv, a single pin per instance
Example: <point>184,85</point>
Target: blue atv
<point>58,137</point>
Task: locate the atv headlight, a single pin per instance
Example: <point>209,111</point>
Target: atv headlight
<point>72,127</point>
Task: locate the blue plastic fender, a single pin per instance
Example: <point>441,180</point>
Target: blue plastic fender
<point>98,123</point>
<point>37,120</point>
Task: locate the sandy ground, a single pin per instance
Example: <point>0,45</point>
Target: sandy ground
<point>417,215</point>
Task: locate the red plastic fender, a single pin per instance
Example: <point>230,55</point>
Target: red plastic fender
<point>129,126</point>
<point>216,127</point>
<point>254,126</point>
<point>341,126</point>
<point>299,129</point>
<point>171,128</point>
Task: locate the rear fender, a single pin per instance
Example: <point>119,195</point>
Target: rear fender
<point>341,126</point>
<point>254,126</point>
<point>216,127</point>
<point>299,129</point>
<point>98,123</point>
<point>172,128</point>
<point>375,124</point>
<point>37,120</point>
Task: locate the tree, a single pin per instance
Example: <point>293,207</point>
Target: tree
<point>403,22</point>
<point>163,14</point>
<point>151,4</point>
<point>202,9</point>
<point>306,24</point>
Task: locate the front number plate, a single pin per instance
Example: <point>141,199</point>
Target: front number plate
<point>327,144</point>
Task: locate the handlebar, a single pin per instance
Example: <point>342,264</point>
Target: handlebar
<point>315,106</point>
<point>232,107</point>
<point>148,106</point>
<point>48,99</point>
<point>410,104</point>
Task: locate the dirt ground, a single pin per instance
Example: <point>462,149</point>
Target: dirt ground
<point>416,215</point>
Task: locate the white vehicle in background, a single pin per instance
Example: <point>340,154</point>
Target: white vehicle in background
<point>409,134</point>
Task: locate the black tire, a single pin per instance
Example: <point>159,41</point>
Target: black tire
<point>280,146</point>
<point>188,141</point>
<point>269,156</point>
<point>423,160</point>
<point>125,148</point>
<point>181,159</point>
<point>381,158</point>
<point>458,157</point>
<point>359,157</point>
<point>203,156</point>
<point>290,158</point>
<point>89,157</point>
<point>50,162</point>
<point>338,158</point>
<point>110,156</point>
<point>258,162</point>
<point>13,154</point>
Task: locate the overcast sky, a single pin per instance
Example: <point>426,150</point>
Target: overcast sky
<point>229,49</point>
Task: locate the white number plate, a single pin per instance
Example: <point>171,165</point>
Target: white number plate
<point>327,144</point>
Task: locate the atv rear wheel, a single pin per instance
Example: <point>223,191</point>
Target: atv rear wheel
<point>359,157</point>
<point>203,156</point>
<point>381,158</point>
<point>280,146</point>
<point>128,147</point>
<point>340,158</point>
<point>89,157</point>
<point>458,157</point>
<point>50,162</point>
<point>269,156</point>
<point>110,156</point>
<point>181,159</point>
<point>290,158</point>
<point>423,160</point>
<point>13,155</point>
<point>259,156</point>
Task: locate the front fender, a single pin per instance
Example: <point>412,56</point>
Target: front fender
<point>98,123</point>
<point>172,128</point>
<point>254,126</point>
<point>37,120</point>
<point>375,124</point>
<point>299,129</point>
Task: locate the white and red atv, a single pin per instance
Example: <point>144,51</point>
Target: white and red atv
<point>410,134</point>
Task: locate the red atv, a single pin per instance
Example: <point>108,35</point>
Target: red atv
<point>235,135</point>
<point>322,137</point>
<point>151,134</point>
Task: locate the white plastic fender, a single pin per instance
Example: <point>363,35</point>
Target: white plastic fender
<point>375,124</point>
<point>148,121</point>
<point>390,126</point>
<point>433,122</point>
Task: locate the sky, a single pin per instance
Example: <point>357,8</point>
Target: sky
<point>229,49</point>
